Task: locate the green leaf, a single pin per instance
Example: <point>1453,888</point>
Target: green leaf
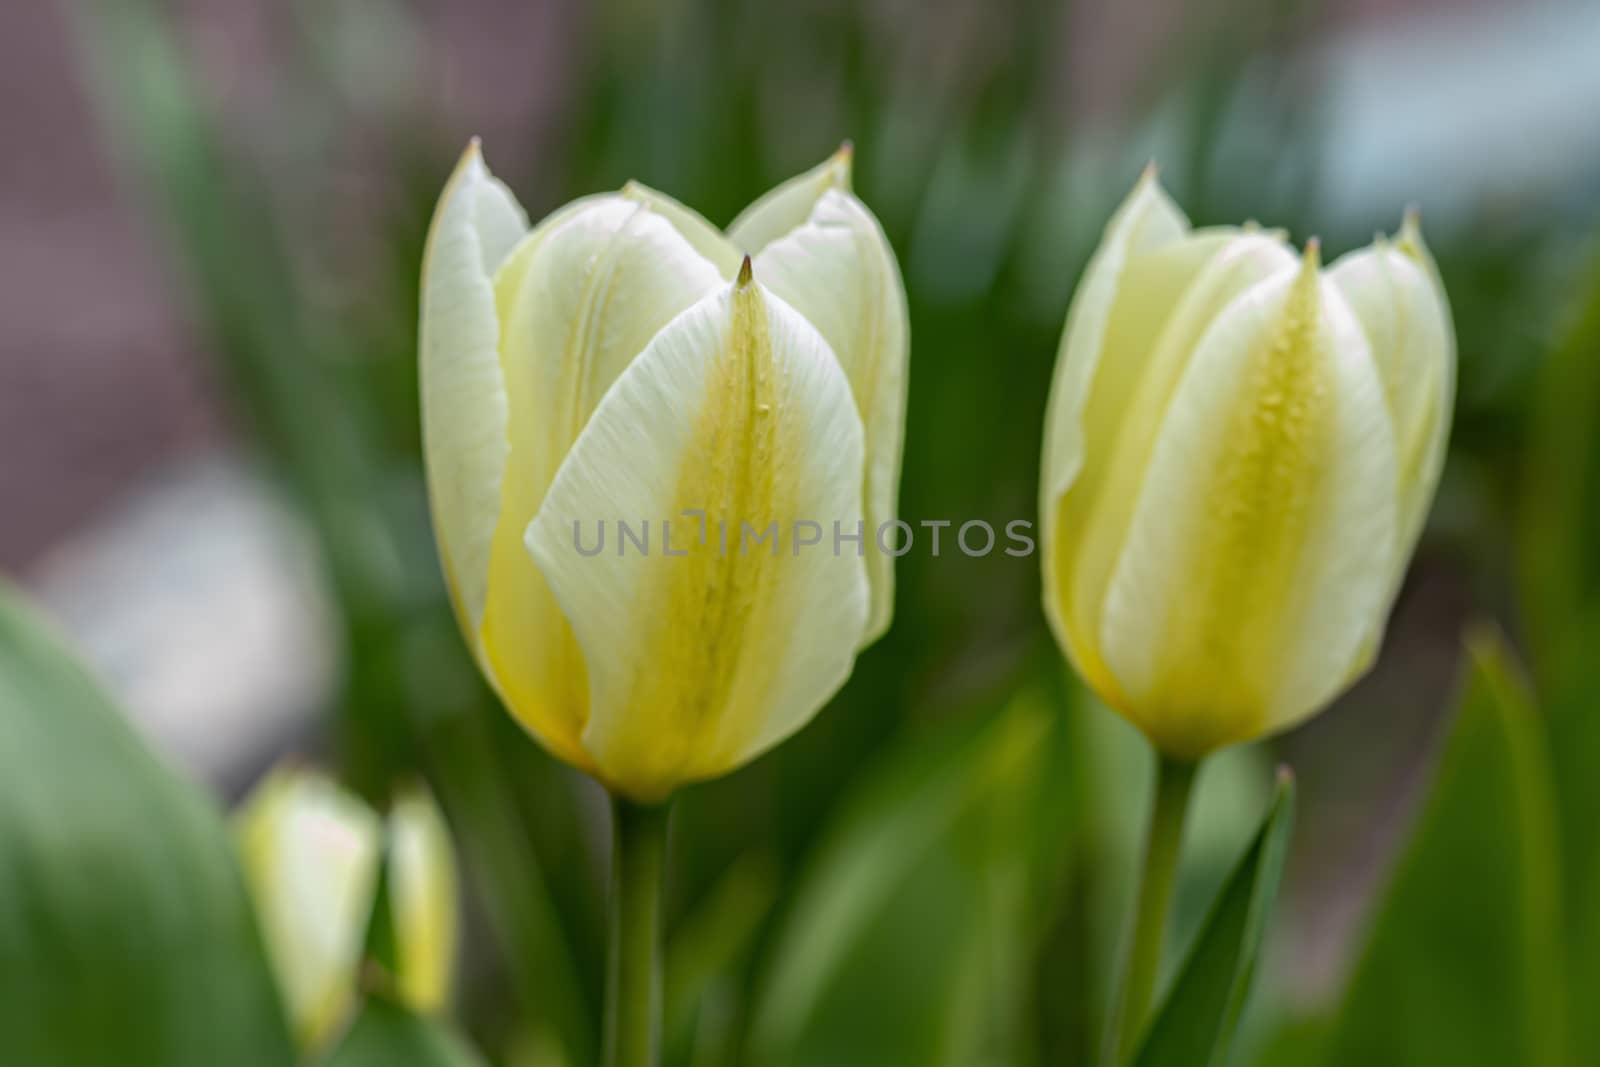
<point>1196,1023</point>
<point>926,864</point>
<point>386,1035</point>
<point>709,949</point>
<point>1558,519</point>
<point>1463,964</point>
<point>125,934</point>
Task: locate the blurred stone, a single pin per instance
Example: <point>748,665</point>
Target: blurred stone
<point>200,602</point>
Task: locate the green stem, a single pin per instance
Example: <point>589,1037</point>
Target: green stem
<point>1130,1004</point>
<point>633,968</point>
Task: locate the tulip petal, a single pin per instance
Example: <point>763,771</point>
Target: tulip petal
<point>423,897</point>
<point>1402,310</point>
<point>709,648</point>
<point>464,410</point>
<point>790,204</point>
<point>1168,298</point>
<point>1146,221</point>
<point>705,238</point>
<point>578,301</point>
<point>837,269</point>
<point>1264,531</point>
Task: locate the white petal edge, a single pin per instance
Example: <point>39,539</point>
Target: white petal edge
<point>839,271</point>
<point>789,204</point>
<point>705,238</point>
<point>464,408</point>
<point>1395,295</point>
<point>1147,219</point>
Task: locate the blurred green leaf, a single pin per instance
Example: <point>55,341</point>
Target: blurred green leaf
<point>1558,516</point>
<point>710,947</point>
<point>1197,1021</point>
<point>126,937</point>
<point>311,378</point>
<point>1463,965</point>
<point>1292,1038</point>
<point>386,1035</point>
<point>922,866</point>
<point>1558,508</point>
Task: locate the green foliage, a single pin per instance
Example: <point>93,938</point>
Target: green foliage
<point>902,944</point>
<point>1558,523</point>
<point>1196,1024</point>
<point>386,1035</point>
<point>126,937</point>
<point>1464,962</point>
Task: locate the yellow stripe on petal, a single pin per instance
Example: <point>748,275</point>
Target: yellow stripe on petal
<point>838,270</point>
<point>464,409</point>
<point>1258,551</point>
<point>578,301</point>
<point>709,646</point>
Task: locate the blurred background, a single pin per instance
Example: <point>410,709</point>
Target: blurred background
<point>211,222</point>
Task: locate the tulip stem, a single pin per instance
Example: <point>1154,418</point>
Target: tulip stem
<point>632,1035</point>
<point>1136,982</point>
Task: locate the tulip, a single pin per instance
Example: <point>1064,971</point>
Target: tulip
<point>624,361</point>
<point>311,854</point>
<point>1240,452</point>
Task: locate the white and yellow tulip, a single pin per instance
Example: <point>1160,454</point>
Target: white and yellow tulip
<point>311,854</point>
<point>1241,449</point>
<point>624,360</point>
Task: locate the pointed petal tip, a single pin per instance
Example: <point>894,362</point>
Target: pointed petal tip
<point>746,275</point>
<point>842,164</point>
<point>471,161</point>
<point>1409,239</point>
<point>1151,172</point>
<point>1313,256</point>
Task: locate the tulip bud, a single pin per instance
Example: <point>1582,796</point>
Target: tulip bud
<point>310,853</point>
<point>422,900</point>
<point>1240,452</point>
<point>614,359</point>
<point>310,856</point>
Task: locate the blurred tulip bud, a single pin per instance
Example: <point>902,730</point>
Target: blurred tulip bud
<point>311,853</point>
<point>422,901</point>
<point>623,361</point>
<point>1240,452</point>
